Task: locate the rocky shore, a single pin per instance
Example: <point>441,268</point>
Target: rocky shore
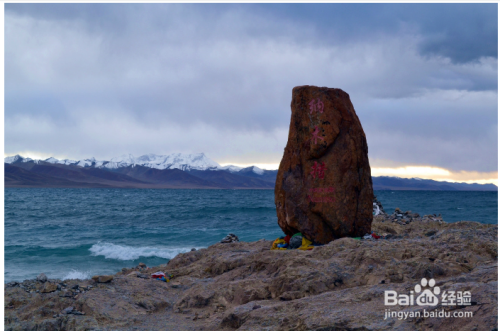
<point>246,286</point>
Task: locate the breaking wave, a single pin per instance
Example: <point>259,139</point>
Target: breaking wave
<point>121,252</point>
<point>75,274</point>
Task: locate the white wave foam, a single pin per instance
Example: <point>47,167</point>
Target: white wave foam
<point>121,252</point>
<point>75,274</point>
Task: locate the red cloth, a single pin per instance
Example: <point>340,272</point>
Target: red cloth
<point>158,274</point>
<point>287,239</point>
<point>374,235</point>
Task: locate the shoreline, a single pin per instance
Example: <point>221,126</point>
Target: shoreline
<point>247,286</point>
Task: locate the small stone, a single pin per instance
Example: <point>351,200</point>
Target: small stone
<point>296,242</point>
<point>142,265</point>
<point>49,287</point>
<point>134,274</point>
<point>193,249</point>
<point>95,278</point>
<point>41,278</point>
<point>65,293</point>
<point>67,310</point>
<point>104,279</point>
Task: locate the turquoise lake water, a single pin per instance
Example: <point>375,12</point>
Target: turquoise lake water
<point>76,233</point>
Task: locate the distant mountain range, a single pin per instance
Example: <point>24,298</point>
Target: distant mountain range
<point>174,171</point>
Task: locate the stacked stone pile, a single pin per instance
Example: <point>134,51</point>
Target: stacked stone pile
<point>230,238</point>
<point>405,218</point>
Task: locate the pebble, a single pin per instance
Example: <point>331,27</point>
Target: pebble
<point>102,279</point>
<point>67,310</point>
<point>41,278</point>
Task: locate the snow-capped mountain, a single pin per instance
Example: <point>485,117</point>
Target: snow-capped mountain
<point>173,161</point>
<point>180,161</point>
<point>231,168</point>
<point>121,172</point>
<point>18,158</point>
<point>257,170</point>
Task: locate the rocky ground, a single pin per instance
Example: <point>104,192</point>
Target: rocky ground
<point>246,286</point>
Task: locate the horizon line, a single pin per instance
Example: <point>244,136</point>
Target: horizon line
<point>407,172</point>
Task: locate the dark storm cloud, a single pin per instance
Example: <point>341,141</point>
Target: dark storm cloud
<point>217,78</point>
<point>462,32</point>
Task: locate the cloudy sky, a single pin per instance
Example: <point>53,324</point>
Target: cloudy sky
<point>103,80</point>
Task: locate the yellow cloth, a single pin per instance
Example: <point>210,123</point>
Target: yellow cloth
<point>276,242</point>
<point>306,245</point>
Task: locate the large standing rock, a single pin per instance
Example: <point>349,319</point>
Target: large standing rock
<point>324,185</point>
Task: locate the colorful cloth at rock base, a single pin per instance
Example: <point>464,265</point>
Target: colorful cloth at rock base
<point>158,274</point>
<point>306,245</point>
<point>277,242</point>
<point>287,239</point>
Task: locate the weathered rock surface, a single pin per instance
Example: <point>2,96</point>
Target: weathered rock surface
<point>324,186</point>
<point>246,286</point>
<point>49,287</point>
<point>102,278</point>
